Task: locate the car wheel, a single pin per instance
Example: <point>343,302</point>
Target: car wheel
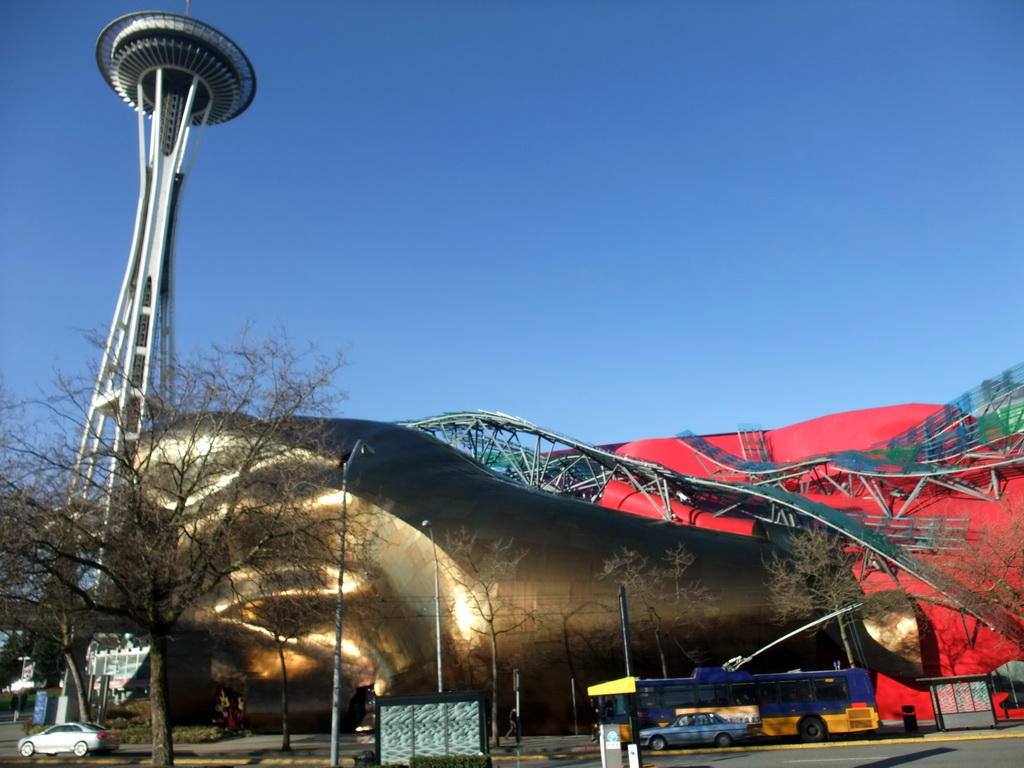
<point>28,749</point>
<point>81,749</point>
<point>658,743</point>
<point>812,730</point>
<point>723,740</point>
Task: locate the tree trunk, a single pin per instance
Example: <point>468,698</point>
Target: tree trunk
<point>652,616</point>
<point>159,699</point>
<point>494,691</point>
<point>844,633</point>
<point>76,675</point>
<point>286,741</point>
<point>661,652</point>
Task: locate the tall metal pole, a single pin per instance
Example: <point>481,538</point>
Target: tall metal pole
<point>519,710</point>
<point>627,646</point>
<point>359,449</point>
<point>575,717</point>
<point>437,605</point>
<point>635,759</point>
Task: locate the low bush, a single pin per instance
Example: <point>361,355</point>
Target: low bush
<point>132,722</point>
<point>128,714</point>
<point>133,733</point>
<point>450,761</point>
<point>182,734</point>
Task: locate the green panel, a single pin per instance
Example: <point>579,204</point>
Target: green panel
<point>1002,423</point>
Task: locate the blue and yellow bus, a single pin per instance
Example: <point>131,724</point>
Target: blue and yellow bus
<point>810,705</point>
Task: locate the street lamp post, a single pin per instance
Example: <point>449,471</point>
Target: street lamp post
<point>359,449</point>
<point>437,605</point>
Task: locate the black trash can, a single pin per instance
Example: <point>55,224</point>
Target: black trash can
<point>910,719</point>
<point>365,758</point>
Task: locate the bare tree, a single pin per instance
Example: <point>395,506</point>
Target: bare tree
<point>292,593</point>
<point>991,565</point>
<point>669,600</point>
<point>817,577</point>
<point>484,573</point>
<point>29,599</point>
<point>287,602</point>
<point>56,616</point>
<point>204,488</point>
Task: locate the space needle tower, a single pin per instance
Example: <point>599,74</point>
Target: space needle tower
<point>179,75</point>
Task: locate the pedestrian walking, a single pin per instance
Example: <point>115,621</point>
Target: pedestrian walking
<point>513,726</point>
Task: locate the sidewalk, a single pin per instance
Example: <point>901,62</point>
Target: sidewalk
<point>314,749</point>
<point>894,729</point>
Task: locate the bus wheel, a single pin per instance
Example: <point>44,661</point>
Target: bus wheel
<point>658,743</point>
<point>812,729</point>
<point>723,740</point>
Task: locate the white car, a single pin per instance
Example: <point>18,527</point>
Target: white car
<point>79,738</point>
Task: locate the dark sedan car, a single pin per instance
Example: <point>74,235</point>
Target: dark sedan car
<point>79,738</point>
<point>700,728</point>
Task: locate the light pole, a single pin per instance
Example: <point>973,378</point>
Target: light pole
<point>437,604</point>
<point>359,449</point>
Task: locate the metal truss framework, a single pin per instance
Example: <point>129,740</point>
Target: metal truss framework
<point>897,489</point>
<point>524,453</point>
<point>967,447</point>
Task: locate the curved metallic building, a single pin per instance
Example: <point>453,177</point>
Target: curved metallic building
<point>906,486</point>
<point>575,638</point>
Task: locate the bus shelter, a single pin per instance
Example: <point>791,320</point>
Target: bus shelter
<point>961,701</point>
<point>431,725</point>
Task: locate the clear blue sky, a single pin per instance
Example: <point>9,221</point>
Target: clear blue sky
<point>618,220</point>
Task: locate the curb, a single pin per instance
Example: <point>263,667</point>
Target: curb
<point>226,760</point>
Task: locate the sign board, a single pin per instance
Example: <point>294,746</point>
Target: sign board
<point>611,747</point>
<point>39,713</point>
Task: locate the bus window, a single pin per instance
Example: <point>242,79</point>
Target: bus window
<point>744,693</point>
<point>616,705</point>
<point>706,696</point>
<point>648,698</point>
<point>713,695</point>
<point>796,691</point>
<point>678,696</point>
<point>768,692</point>
<point>831,689</point>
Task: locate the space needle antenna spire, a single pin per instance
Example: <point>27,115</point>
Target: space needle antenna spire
<point>179,75</point>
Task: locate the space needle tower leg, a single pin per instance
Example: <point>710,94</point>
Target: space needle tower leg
<point>179,74</point>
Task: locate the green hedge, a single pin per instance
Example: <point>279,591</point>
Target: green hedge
<point>451,761</point>
<point>182,734</point>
